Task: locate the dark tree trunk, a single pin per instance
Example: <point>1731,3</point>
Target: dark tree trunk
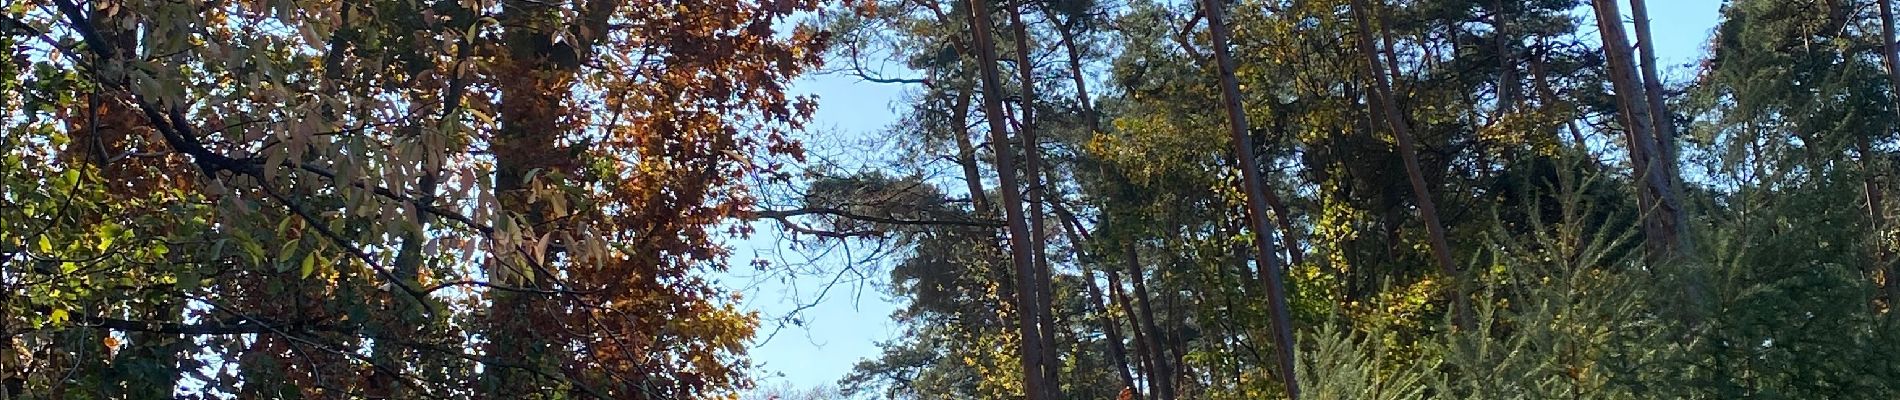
<point>1117,351</point>
<point>1284,216</point>
<point>1664,125</point>
<point>1507,58</point>
<point>1022,252</point>
<point>1032,169</point>
<point>1267,258</point>
<point>1408,153</point>
<point>1654,192</point>
<point>1876,208</point>
<point>1145,366</point>
<point>1161,380</point>
<point>966,150</point>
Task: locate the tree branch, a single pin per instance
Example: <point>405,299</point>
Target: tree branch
<point>782,215</point>
<point>231,326</point>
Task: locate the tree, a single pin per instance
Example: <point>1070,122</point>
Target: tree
<point>1267,257</point>
<point>1654,171</point>
<point>1022,252</point>
<point>449,181</point>
<point>1394,118</point>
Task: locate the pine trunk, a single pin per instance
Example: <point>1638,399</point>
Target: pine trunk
<point>532,104</point>
<point>1876,207</point>
<point>1664,125</point>
<point>1653,188</point>
<point>1117,351</point>
<point>966,151</point>
<point>1032,169</point>
<point>1161,379</point>
<point>1267,258</point>
<point>1408,153</point>
<point>1022,253</point>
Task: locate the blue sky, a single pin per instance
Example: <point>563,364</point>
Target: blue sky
<point>845,324</point>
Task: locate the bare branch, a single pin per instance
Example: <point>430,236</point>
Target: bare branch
<point>782,215</point>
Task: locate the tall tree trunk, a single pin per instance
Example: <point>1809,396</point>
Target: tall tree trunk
<point>1654,194</point>
<point>1408,153</point>
<point>1507,58</point>
<point>1032,169</point>
<point>1022,253</point>
<point>1664,125</point>
<point>966,150</point>
<point>1546,97</point>
<point>1284,216</point>
<point>1144,366</point>
<point>532,105</point>
<point>1877,216</point>
<point>1117,351</point>
<point>1289,237</point>
<point>1889,48</point>
<point>1161,380</point>
<point>1876,208</point>
<point>410,320</point>
<point>1267,258</point>
<point>1176,343</point>
<point>1113,328</point>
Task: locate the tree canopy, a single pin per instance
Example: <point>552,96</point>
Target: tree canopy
<point>1162,200</point>
<point>387,199</point>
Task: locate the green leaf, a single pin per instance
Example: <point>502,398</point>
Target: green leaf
<point>58,316</point>
<point>217,248</point>
<point>309,265</point>
<point>189,281</point>
<point>68,179</point>
<point>252,251</point>
<point>46,246</point>
<point>290,249</point>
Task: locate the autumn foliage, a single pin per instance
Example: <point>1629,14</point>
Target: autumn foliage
<point>369,198</point>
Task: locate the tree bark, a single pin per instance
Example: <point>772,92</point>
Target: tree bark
<point>1117,351</point>
<point>1408,153</point>
<point>1547,97</point>
<point>1665,133</point>
<point>1022,253</point>
<point>1507,58</point>
<point>1289,237</point>
<point>1284,216</point>
<point>966,151</point>
<point>1653,194</point>
<point>1032,169</point>
<point>531,113</point>
<point>1144,366</point>
<point>1268,259</point>
<point>1111,326</point>
<point>1161,379</point>
<point>1876,208</point>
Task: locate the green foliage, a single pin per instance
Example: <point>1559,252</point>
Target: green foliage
<point>1340,364</point>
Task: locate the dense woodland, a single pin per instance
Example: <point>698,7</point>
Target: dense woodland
<point>1198,199</point>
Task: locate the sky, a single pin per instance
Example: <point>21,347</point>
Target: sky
<point>844,325</point>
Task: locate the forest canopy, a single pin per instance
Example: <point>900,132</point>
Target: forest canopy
<point>384,199</point>
<point>1255,199</point>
